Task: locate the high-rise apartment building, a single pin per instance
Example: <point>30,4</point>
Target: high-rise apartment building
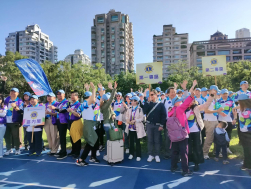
<point>78,56</point>
<point>241,33</point>
<point>170,47</point>
<point>219,44</point>
<point>112,42</point>
<point>32,43</point>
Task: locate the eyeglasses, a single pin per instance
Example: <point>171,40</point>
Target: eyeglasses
<point>152,94</point>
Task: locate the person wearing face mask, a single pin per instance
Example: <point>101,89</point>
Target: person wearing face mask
<point>62,122</point>
<point>36,145</point>
<point>3,111</point>
<point>126,105</point>
<point>134,127</point>
<point>227,104</point>
<point>156,120</point>
<point>51,125</point>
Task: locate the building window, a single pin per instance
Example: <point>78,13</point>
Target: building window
<point>247,50</point>
<point>227,58</point>
<point>183,46</point>
<point>176,52</point>
<point>200,47</point>
<point>159,40</point>
<point>166,44</point>
<point>183,56</point>
<point>103,60</point>
<point>160,53</point>
<point>199,60</point>
<point>176,38</point>
<point>167,61</point>
<point>100,19</point>
<point>102,30</point>
<point>175,47</point>
<point>175,61</point>
<point>167,30</point>
<point>113,29</point>
<point>176,56</point>
<point>123,19</point>
<point>201,53</point>
<point>247,57</point>
<point>102,38</point>
<point>114,18</point>
<point>113,59</point>
<point>113,52</point>
<point>210,53</point>
<point>159,58</point>
<point>168,52</point>
<point>154,57</point>
<point>167,48</point>
<point>223,52</point>
<point>183,51</point>
<point>238,51</point>
<point>159,44</point>
<point>176,43</point>
<point>167,57</point>
<point>167,39</point>
<point>237,57</point>
<point>159,49</point>
<point>113,36</point>
<point>102,45</point>
<point>113,44</point>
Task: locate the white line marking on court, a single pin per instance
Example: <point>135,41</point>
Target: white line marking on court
<point>209,173</point>
<point>177,182</point>
<point>40,160</point>
<point>142,168</point>
<point>8,173</point>
<point>32,184</point>
<point>223,182</point>
<point>101,182</point>
<point>145,166</point>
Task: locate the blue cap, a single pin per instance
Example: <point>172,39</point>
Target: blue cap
<point>129,95</point>
<point>135,98</point>
<point>243,97</point>
<point>158,89</point>
<point>223,91</point>
<point>51,94</point>
<point>204,89</point>
<point>100,89</point>
<point>214,87</point>
<point>119,93</point>
<point>147,94</point>
<point>243,82</point>
<point>15,89</point>
<point>230,92</point>
<point>166,91</point>
<point>27,93</point>
<point>176,99</point>
<point>133,94</point>
<point>108,93</point>
<point>162,94</point>
<point>60,91</point>
<point>87,94</point>
<point>197,89</point>
<point>179,90</point>
<point>105,97</point>
<point>35,97</point>
<point>141,94</point>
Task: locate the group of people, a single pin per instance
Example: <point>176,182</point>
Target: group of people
<point>205,116</point>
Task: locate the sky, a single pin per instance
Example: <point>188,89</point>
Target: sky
<point>68,22</point>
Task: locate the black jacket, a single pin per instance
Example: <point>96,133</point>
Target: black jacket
<point>158,115</point>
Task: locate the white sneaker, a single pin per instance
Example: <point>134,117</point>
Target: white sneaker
<point>7,152</point>
<point>229,151</point>
<point>89,153</point>
<point>220,155</point>
<point>1,156</point>
<point>206,157</point>
<point>130,156</point>
<point>105,158</point>
<point>127,151</point>
<point>150,158</point>
<point>11,151</point>
<point>138,159</point>
<point>157,159</point>
<point>97,154</point>
<point>17,152</point>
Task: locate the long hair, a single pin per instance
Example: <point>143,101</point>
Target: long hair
<point>2,103</point>
<point>245,104</point>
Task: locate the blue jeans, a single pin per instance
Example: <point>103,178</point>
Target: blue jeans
<point>2,132</point>
<point>107,127</point>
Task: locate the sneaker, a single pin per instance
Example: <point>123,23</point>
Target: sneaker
<point>17,152</point>
<point>173,170</point>
<point>95,160</point>
<point>89,153</point>
<point>220,155</point>
<point>157,159</point>
<point>105,158</point>
<point>101,148</point>
<point>225,162</point>
<point>97,154</point>
<point>51,154</point>
<point>1,156</point>
<point>26,148</point>
<point>62,157</point>
<point>127,151</point>
<point>138,159</point>
<point>244,168</point>
<point>31,154</point>
<point>57,155</point>
<point>150,158</point>
<point>186,174</point>
<point>130,156</point>
<point>206,157</point>
<point>71,154</point>
<point>81,163</point>
<point>196,168</point>
<point>12,151</point>
<point>216,159</point>
<point>229,151</point>
<point>7,152</point>
<point>91,159</point>
<point>43,148</point>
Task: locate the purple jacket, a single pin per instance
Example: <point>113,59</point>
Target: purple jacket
<point>64,117</point>
<point>16,116</point>
<point>54,118</point>
<point>3,119</point>
<point>74,107</point>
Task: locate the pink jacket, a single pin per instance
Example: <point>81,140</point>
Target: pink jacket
<point>180,112</point>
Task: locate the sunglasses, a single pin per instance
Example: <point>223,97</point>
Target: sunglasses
<point>118,96</point>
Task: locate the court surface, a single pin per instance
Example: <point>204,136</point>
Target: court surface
<point>21,171</point>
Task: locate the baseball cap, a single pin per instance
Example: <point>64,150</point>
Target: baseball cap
<point>243,82</point>
<point>141,94</point>
<point>105,97</point>
<point>179,90</point>
<point>100,89</point>
<point>35,97</point>
<point>51,94</point>
<point>158,89</point>
<point>108,93</point>
<point>223,91</point>
<point>129,95</point>
<point>176,99</point>
<point>162,94</point>
<point>87,94</point>
<point>60,91</point>
<point>119,93</point>
<point>203,89</point>
<point>198,89</point>
<point>15,89</point>
<point>27,93</point>
<point>230,92</point>
<point>135,98</point>
<point>243,97</point>
<point>214,87</point>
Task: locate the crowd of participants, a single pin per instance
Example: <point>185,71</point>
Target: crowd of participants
<point>206,115</point>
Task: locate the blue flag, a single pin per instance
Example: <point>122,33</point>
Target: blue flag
<point>35,76</point>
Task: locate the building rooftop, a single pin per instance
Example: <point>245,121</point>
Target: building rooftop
<point>217,34</point>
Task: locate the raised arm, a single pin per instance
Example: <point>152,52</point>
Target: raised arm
<point>92,100</point>
<point>186,103</point>
<point>206,104</point>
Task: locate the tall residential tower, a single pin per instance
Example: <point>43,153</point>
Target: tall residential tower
<point>112,42</point>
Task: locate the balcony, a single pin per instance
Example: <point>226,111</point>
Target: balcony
<point>121,26</point>
<point>113,47</point>
<point>93,36</point>
<point>121,34</point>
<point>122,57</point>
<point>94,59</point>
<point>93,51</point>
<point>113,39</point>
<point>93,44</point>
<point>112,31</point>
<point>122,49</point>
<point>121,42</point>
<point>93,29</point>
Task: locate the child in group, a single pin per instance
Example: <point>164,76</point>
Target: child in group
<point>3,111</point>
<point>221,141</point>
<point>135,128</point>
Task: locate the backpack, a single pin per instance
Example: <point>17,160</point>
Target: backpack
<point>176,131</point>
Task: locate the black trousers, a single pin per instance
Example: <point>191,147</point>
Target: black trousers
<point>12,135</point>
<point>245,140</point>
<point>195,148</point>
<point>224,151</point>
<point>89,148</point>
<point>36,145</point>
<point>63,132</point>
<point>134,139</point>
<point>101,133</point>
